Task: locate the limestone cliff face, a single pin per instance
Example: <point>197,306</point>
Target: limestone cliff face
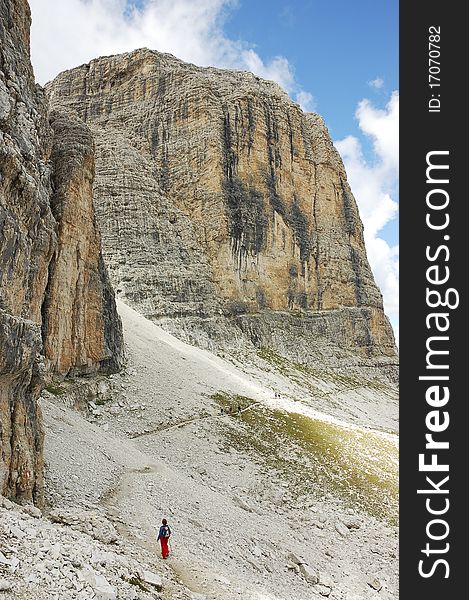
<point>54,295</point>
<point>261,217</point>
<point>27,241</point>
<point>81,329</point>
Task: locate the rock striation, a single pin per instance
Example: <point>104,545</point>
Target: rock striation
<point>219,200</point>
<point>81,330</point>
<point>57,309</point>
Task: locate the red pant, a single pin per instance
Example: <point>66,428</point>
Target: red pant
<point>164,547</point>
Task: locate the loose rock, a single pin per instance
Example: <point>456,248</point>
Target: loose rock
<point>375,584</point>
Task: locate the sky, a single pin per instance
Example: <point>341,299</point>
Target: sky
<point>335,57</point>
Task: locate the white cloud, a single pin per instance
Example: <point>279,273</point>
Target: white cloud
<point>305,100</point>
<point>76,31</point>
<point>375,186</point>
<point>382,125</point>
<point>377,83</point>
<point>279,69</point>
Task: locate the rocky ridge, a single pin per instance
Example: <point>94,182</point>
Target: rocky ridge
<point>57,310</point>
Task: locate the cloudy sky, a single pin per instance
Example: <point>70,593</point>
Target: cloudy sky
<point>338,57</point>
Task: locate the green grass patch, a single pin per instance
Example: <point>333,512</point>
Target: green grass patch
<point>56,389</point>
<point>231,402</point>
<point>317,458</point>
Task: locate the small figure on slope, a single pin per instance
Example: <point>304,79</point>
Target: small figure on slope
<point>163,537</point>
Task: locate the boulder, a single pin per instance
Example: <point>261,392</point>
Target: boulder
<point>350,521</point>
<point>5,586</point>
<point>256,551</point>
<point>341,528</point>
<point>375,584</point>
<point>310,574</point>
<point>153,579</point>
<point>32,511</point>
<point>8,504</point>
<point>17,532</point>
<point>102,589</point>
<point>296,560</point>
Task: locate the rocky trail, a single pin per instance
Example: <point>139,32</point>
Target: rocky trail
<point>214,417</point>
<point>145,537</point>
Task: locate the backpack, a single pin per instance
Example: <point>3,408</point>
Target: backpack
<point>166,531</point>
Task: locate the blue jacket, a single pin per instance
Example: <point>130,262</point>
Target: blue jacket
<point>162,530</point>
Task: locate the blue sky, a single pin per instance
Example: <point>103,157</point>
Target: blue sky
<point>335,47</point>
<point>337,57</point>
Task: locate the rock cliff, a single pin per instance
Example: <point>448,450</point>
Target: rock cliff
<point>81,329</point>
<point>57,310</point>
<point>222,204</point>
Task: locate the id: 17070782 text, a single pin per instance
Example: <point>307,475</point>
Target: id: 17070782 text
<point>434,68</point>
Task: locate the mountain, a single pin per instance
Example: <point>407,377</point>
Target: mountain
<point>225,210</point>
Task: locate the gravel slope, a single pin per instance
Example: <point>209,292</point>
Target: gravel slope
<point>257,514</point>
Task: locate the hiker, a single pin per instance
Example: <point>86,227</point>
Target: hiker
<point>163,536</point>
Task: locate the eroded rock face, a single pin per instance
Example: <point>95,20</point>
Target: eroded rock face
<point>54,292</point>
<point>81,329</point>
<point>27,242</point>
<point>216,194</point>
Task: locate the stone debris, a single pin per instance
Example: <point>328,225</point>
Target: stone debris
<point>213,535</point>
<point>375,584</point>
<point>62,562</point>
<point>310,574</point>
<point>341,528</point>
<point>88,522</point>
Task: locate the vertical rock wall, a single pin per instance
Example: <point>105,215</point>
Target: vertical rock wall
<point>55,298</point>
<point>81,329</point>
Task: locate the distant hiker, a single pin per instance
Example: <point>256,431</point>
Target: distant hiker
<point>222,412</point>
<point>163,536</point>
<point>239,408</point>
